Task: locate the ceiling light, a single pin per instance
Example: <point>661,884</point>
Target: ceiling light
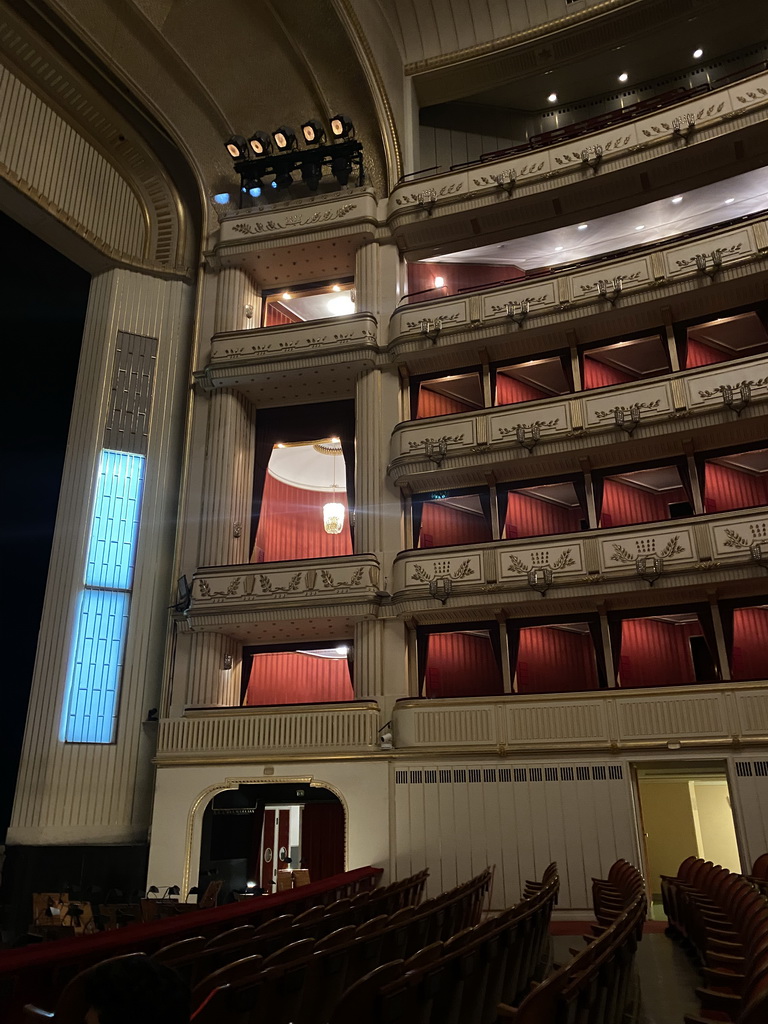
<point>639,227</point>
<point>313,132</point>
<point>336,288</point>
<point>582,227</point>
<point>552,97</point>
<point>260,143</point>
<point>342,305</point>
<point>729,201</point>
<point>439,282</point>
<point>333,511</point>
<point>558,248</point>
<point>285,138</point>
<point>342,649</point>
<point>237,147</point>
<point>698,53</point>
<point>286,295</point>
<point>279,445</point>
<point>335,440</point>
<point>342,127</point>
<point>623,76</point>
<point>677,199</point>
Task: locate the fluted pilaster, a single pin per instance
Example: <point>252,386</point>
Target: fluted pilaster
<point>236,291</point>
<point>378,274</point>
<point>209,682</point>
<point>226,502</point>
<point>380,662</point>
<point>378,515</point>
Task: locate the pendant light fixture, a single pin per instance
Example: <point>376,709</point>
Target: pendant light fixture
<point>333,511</point>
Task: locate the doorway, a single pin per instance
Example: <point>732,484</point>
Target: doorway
<point>256,835</point>
<point>685,810</point>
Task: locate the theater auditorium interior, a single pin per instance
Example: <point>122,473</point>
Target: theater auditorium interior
<point>386,542</point>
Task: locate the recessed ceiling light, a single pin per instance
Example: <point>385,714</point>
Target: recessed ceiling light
<point>582,227</point>
<point>677,199</point>
<point>286,295</point>
<point>639,227</point>
<point>552,97</point>
<point>336,288</point>
<point>729,201</point>
<point>698,53</point>
<point>623,76</point>
<point>558,248</point>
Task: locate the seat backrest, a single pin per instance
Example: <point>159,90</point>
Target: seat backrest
<point>374,924</point>
<point>282,923</point>
<point>355,1005</point>
<point>73,1003</point>
<point>239,970</point>
<point>337,938</point>
<point>232,937</point>
<point>760,867</point>
<point>182,948</point>
<point>287,955</point>
<point>309,916</point>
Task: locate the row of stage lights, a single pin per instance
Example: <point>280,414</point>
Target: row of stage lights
<point>264,154</point>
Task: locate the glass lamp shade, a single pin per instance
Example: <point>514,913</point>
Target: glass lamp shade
<point>333,517</point>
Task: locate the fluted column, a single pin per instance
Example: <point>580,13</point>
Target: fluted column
<point>381,663</point>
<point>234,293</point>
<point>228,480</point>
<point>378,281</point>
<point>213,673</point>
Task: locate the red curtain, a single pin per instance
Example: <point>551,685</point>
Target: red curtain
<point>322,839</point>
<point>699,354</point>
<point>461,665</point>
<point>457,276</point>
<point>726,488</point>
<point>598,375</point>
<point>624,505</point>
<point>530,517</point>
<point>656,653</point>
<point>287,677</point>
<point>555,661</point>
<point>509,390</point>
<point>433,404</point>
<point>749,657</point>
<point>442,525</point>
<point>291,524</point>
<point>277,316</point>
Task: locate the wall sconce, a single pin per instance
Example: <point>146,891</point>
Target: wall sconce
<point>227,663</point>
<point>701,263</point>
<point>522,439</point>
<point>591,157</point>
<point>620,417</point>
<point>757,556</point>
<point>249,311</point>
<point>683,126</point>
<point>518,311</point>
<point>427,200</point>
<point>506,180</point>
<point>649,568</point>
<point>737,405</point>
<point>540,579</point>
<point>441,589</point>
<point>617,286</point>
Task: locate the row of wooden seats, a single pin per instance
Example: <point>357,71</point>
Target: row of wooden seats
<point>723,919</point>
<point>303,981</point>
<point>596,986</point>
<point>463,980</point>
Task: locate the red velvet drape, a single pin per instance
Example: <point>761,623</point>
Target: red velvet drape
<point>291,524</point>
<point>699,354</point>
<point>432,404</point>
<point>531,517</point>
<point>598,375</point>
<point>460,665</point>
<point>726,488</point>
<point>287,677</point>
<point>322,839</point>
<point>456,276</point>
<point>555,661</point>
<point>442,525</point>
<point>656,653</point>
<point>509,390</point>
<point>624,505</point>
<point>278,315</point>
<point>749,657</point>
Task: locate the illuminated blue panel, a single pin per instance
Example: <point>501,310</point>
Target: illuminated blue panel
<point>115,524</point>
<point>96,661</point>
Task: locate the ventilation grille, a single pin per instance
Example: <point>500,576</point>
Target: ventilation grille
<point>550,773</point>
<point>748,769</point>
<point>127,427</point>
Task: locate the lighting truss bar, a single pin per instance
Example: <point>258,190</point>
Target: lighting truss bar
<point>296,160</point>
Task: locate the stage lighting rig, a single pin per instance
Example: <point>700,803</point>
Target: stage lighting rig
<point>277,156</point>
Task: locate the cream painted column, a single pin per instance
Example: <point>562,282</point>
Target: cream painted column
<point>213,674</point>
<point>228,480</point>
<point>381,666</point>
<point>236,296</point>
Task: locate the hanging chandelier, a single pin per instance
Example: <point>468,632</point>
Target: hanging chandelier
<point>333,511</point>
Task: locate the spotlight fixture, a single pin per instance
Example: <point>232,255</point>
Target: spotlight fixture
<point>283,180</point>
<point>221,198</point>
<point>237,147</point>
<point>260,143</point>
<point>623,76</point>
<point>342,127</point>
<point>698,52</point>
<point>341,168</point>
<point>285,138</point>
<point>552,97</point>
<point>311,173</point>
<point>313,133</point>
<point>252,186</point>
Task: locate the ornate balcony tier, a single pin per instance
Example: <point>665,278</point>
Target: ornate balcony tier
<point>344,345</point>
<point>207,735</point>
<point>669,268</point>
<point>229,599</point>
<point>669,717</point>
<point>427,210</point>
<point>459,449</point>
<point>692,553</point>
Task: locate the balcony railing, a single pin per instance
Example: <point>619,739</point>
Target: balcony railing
<point>213,734</point>
<point>674,717</point>
<point>578,420</point>
<point>608,559</point>
<point>616,143</point>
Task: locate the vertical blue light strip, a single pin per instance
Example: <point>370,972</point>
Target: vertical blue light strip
<point>101,624</point>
